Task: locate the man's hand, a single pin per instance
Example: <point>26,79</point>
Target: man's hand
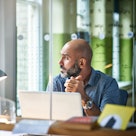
<point>76,85</point>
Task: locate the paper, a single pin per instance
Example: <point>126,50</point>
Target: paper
<point>32,127</point>
<point>115,116</point>
<point>9,133</point>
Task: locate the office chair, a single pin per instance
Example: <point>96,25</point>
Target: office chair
<point>124,96</point>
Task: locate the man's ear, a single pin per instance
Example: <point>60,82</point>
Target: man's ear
<point>82,62</point>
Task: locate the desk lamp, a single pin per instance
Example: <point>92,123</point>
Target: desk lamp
<point>2,75</point>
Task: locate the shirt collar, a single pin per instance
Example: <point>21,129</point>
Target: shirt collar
<point>92,78</point>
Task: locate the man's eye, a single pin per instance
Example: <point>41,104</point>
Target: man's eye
<point>67,58</point>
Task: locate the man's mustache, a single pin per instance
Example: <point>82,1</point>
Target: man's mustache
<point>62,67</point>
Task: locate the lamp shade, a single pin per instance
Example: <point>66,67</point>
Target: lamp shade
<point>3,75</point>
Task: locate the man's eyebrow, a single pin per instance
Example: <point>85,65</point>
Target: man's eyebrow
<point>65,54</point>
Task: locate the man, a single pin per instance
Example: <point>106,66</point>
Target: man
<point>77,75</point>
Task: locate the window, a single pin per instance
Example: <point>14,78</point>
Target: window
<point>29,52</point>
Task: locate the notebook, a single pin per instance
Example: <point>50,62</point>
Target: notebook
<point>64,105</point>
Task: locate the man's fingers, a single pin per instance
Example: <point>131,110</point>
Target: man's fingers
<point>69,85</point>
<point>72,84</point>
<point>79,78</point>
<point>67,90</point>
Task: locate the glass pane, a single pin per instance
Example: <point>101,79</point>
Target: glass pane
<point>44,26</point>
<point>29,49</point>
<point>106,25</point>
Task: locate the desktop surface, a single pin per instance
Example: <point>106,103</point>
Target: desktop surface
<point>55,130</point>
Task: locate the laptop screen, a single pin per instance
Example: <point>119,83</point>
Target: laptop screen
<point>45,105</point>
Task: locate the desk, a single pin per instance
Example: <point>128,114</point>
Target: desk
<point>7,127</point>
<point>56,129</point>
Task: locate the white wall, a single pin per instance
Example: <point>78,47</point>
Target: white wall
<point>8,47</point>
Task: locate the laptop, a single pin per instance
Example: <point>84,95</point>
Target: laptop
<point>53,106</point>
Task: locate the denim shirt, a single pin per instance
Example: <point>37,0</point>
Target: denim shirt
<point>101,88</point>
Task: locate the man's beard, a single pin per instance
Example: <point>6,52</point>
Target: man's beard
<point>73,71</point>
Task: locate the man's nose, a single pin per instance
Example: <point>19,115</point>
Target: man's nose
<point>60,62</point>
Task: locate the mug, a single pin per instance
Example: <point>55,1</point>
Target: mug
<point>7,111</point>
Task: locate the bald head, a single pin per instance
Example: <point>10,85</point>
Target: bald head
<point>80,48</point>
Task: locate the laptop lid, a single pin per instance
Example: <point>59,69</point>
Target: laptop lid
<point>39,105</point>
